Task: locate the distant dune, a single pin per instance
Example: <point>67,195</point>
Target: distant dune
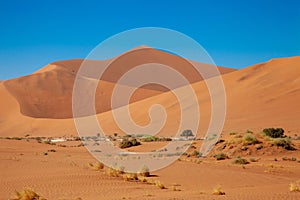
<point>48,92</point>
<point>258,96</point>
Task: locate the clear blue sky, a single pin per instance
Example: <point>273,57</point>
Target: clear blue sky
<point>235,33</point>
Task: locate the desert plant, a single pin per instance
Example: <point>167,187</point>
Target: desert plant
<point>282,142</point>
<point>111,172</point>
<point>220,156</point>
<point>187,133</point>
<point>150,139</point>
<point>239,160</point>
<point>129,143</point>
<point>159,185</point>
<point>98,166</point>
<point>144,171</point>
<point>274,132</point>
<point>250,139</point>
<point>27,194</point>
<point>218,191</point>
<point>130,177</point>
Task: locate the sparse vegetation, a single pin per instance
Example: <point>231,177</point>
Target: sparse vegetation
<point>144,171</point>
<point>27,194</point>
<point>282,142</point>
<point>150,139</point>
<point>159,185</point>
<point>220,156</point>
<point>218,191</point>
<point>241,161</point>
<point>130,177</point>
<point>289,159</point>
<point>232,133</point>
<point>250,139</point>
<point>187,133</point>
<point>98,165</point>
<point>129,143</point>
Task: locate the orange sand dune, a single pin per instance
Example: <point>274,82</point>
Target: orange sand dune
<point>48,92</point>
<point>264,95</point>
<point>260,96</point>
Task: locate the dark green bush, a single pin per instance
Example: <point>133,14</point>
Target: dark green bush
<point>274,132</point>
<point>187,133</point>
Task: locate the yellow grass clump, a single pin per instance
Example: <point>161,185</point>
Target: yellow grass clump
<point>218,191</point>
<point>27,194</point>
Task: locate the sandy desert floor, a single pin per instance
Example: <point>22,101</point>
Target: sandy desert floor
<point>65,174</point>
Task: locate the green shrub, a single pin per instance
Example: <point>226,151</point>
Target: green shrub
<point>274,132</point>
<point>283,142</point>
<point>187,133</point>
<point>250,139</point>
<point>239,160</point>
<point>220,156</point>
<point>129,143</point>
<point>150,139</point>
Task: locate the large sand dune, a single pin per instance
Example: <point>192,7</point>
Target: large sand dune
<point>48,92</point>
<point>259,96</point>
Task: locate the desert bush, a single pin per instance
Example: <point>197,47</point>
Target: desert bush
<point>27,194</point>
<point>250,139</point>
<point>220,156</point>
<point>130,177</point>
<point>274,132</point>
<point>144,171</point>
<point>159,185</point>
<point>111,172</point>
<point>196,153</point>
<point>239,160</point>
<point>129,143</point>
<point>187,133</point>
<point>98,166</point>
<point>282,142</point>
<point>150,139</point>
<point>218,191</point>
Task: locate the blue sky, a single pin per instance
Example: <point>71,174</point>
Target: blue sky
<point>235,33</point>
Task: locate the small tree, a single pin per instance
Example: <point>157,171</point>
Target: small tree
<point>187,133</point>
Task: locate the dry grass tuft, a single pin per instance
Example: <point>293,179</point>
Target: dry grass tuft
<point>96,166</point>
<point>130,177</point>
<point>111,172</point>
<point>159,185</point>
<point>218,191</point>
<point>27,194</point>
